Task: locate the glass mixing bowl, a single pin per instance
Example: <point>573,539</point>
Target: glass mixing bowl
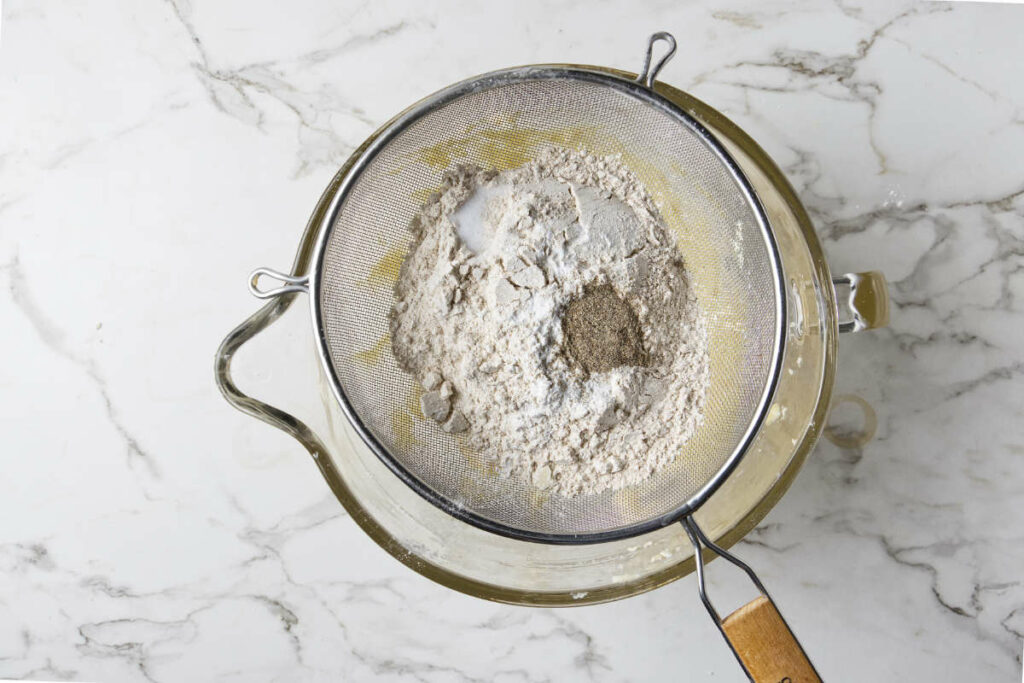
<point>489,566</point>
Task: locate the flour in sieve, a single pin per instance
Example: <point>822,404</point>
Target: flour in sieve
<point>497,260</point>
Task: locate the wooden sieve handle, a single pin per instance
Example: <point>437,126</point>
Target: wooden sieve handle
<point>766,646</point>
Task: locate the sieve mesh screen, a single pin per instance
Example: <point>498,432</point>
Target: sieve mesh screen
<point>502,123</point>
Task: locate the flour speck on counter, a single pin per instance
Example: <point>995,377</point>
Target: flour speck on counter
<point>548,316</point>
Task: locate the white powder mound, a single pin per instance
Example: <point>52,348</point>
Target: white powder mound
<point>478,320</point>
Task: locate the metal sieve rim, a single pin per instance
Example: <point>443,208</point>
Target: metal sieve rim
<point>487,81</point>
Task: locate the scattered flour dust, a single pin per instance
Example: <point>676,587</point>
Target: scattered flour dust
<point>479,320</point>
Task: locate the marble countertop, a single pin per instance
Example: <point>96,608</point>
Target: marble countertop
<point>153,153</point>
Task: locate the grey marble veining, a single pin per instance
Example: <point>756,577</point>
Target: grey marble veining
<point>153,154</point>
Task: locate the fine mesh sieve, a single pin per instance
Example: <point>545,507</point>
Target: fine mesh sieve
<point>500,121</point>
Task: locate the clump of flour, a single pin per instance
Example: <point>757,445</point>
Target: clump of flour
<point>481,321</point>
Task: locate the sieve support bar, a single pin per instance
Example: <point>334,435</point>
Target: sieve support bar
<point>757,634</point>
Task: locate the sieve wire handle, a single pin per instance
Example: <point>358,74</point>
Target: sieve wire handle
<point>757,634</point>
<point>256,323</point>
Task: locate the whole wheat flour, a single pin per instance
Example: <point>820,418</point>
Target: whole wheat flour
<point>547,315</point>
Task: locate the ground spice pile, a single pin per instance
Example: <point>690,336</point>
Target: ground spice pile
<point>602,332</point>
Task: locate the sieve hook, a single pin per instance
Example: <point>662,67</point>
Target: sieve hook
<point>292,283</point>
<point>867,304</point>
<point>649,73</point>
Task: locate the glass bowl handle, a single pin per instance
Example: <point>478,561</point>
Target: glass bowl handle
<point>281,299</point>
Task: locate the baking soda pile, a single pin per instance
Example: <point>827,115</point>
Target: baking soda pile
<point>546,313</point>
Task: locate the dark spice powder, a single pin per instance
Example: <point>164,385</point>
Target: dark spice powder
<point>602,331</point>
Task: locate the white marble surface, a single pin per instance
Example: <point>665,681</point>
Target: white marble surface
<point>152,152</point>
